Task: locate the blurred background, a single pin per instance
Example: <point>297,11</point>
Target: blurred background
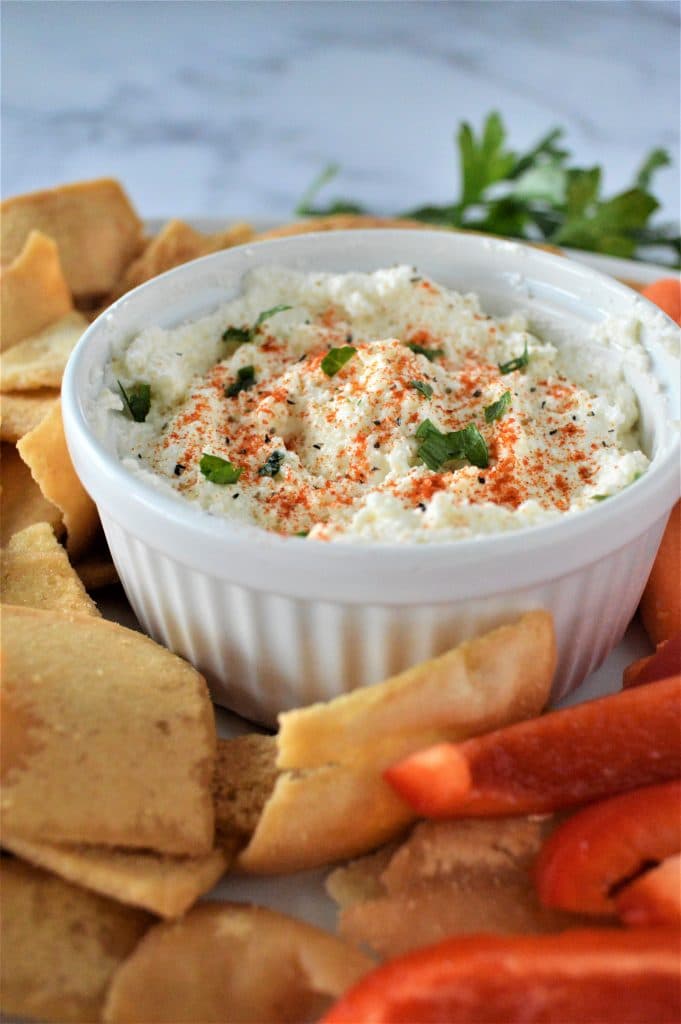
<point>230,109</point>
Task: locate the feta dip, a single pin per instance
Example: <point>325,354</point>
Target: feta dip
<point>367,407</point>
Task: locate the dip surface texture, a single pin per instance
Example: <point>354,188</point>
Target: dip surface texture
<point>361,443</point>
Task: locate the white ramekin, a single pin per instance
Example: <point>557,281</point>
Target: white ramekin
<point>278,622</point>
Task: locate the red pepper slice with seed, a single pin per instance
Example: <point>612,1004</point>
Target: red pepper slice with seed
<point>611,976</point>
<point>562,759</point>
<point>587,857</point>
<point>654,898</point>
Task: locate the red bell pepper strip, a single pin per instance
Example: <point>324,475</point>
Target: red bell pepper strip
<point>591,853</point>
<point>666,293</point>
<point>665,662</point>
<point>610,976</point>
<point>654,898</point>
<point>564,758</point>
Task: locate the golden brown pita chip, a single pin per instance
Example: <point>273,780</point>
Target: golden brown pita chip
<point>330,800</point>
<point>245,773</point>
<point>167,886</point>
<point>40,361</point>
<point>33,290</point>
<point>447,878</point>
<point>22,501</point>
<point>107,738</point>
<point>341,222</point>
<point>45,453</point>
<point>36,573</point>
<point>97,570</point>
<point>21,411</point>
<point>177,243</point>
<point>93,223</point>
<point>60,945</point>
<point>226,962</point>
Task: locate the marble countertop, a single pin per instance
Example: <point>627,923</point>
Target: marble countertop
<point>231,108</point>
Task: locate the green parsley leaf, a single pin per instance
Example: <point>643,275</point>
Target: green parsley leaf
<point>237,335</point>
<point>420,385</point>
<point>245,379</point>
<point>302,533</point>
<point>305,207</point>
<point>242,335</point>
<point>219,471</point>
<point>137,399</point>
<point>266,314</point>
<point>336,358</point>
<point>601,497</point>
<point>273,464</point>
<point>515,364</point>
<point>539,195</point>
<point>497,409</point>
<point>437,448</point>
<point>430,353</point>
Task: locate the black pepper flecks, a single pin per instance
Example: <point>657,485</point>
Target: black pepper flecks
<point>179,469</point>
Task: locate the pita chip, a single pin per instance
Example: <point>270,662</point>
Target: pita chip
<point>22,500</point>
<point>36,573</point>
<point>60,945</point>
<point>448,878</point>
<point>45,453</point>
<point>228,962</point>
<point>21,411</point>
<point>177,243</point>
<point>93,223</point>
<point>245,773</point>
<point>97,570</point>
<point>40,361</point>
<point>107,738</point>
<point>330,801</point>
<point>33,290</point>
<point>166,886</point>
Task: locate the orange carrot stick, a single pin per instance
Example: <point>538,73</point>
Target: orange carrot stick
<point>665,662</point>
<point>660,606</point>
<point>654,898</point>
<point>567,757</point>
<point>610,976</point>
<point>666,293</point>
<point>592,852</point>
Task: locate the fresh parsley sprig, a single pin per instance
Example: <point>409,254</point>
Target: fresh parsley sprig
<point>219,471</point>
<point>336,358</point>
<point>497,409</point>
<point>539,196</point>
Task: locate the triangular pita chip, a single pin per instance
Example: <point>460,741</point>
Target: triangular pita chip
<point>330,800</point>
<point>93,223</point>
<point>107,738</point>
<point>227,962</point>
<point>33,290</point>
<point>21,411</point>
<point>60,945</point>
<point>36,573</point>
<point>22,500</point>
<point>40,360</point>
<point>45,452</point>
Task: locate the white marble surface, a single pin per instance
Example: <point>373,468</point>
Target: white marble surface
<point>232,107</point>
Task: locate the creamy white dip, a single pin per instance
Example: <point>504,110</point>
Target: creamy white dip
<point>338,457</point>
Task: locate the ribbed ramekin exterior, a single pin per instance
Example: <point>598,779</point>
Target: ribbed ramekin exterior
<point>263,652</point>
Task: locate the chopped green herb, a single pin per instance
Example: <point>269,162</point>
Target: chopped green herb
<point>138,400</point>
<point>242,335</point>
<point>267,313</point>
<point>219,471</point>
<point>437,448</point>
<point>336,358</point>
<point>497,409</point>
<point>237,335</point>
<point>601,497</point>
<point>420,385</point>
<point>515,364</point>
<point>273,464</point>
<point>245,379</point>
<point>302,533</point>
<point>429,353</point>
